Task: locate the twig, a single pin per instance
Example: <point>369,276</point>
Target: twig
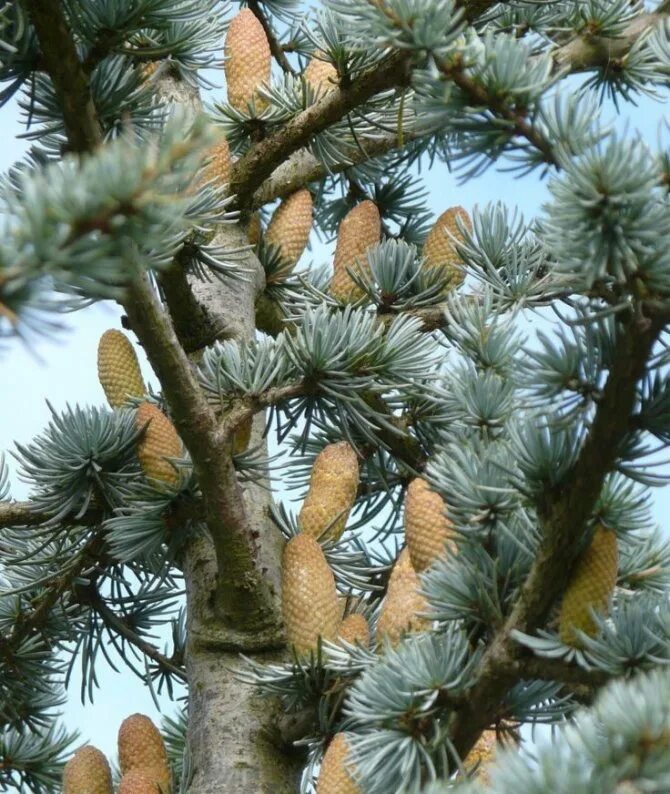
<point>275,47</point>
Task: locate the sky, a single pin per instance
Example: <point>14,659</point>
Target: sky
<point>61,369</point>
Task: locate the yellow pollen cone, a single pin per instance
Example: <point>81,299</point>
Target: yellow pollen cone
<point>354,628</point>
<point>333,486</point>
<point>360,229</point>
<point>403,604</point>
<point>289,228</point>
<point>334,776</point>
<point>248,61</point>
<point>217,164</point>
<point>590,587</point>
<point>141,747</point>
<point>439,250</point>
<point>309,597</point>
<point>321,75</point>
<point>118,368</point>
<point>87,772</point>
<point>158,442</point>
<point>427,527</point>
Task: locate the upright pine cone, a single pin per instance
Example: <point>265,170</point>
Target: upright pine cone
<point>439,250</point>
<point>321,75</point>
<point>427,527</point>
<point>118,368</point>
<point>87,772</point>
<point>217,164</point>
<point>334,776</point>
<point>590,588</point>
<point>482,755</point>
<point>141,747</point>
<point>333,485</point>
<point>158,442</point>
<point>402,607</point>
<point>354,628</point>
<point>360,229</point>
<point>309,597</point>
<point>247,60</point>
<point>140,781</point>
<point>289,228</point>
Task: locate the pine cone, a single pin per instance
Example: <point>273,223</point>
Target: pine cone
<point>159,442</point>
<point>360,229</point>
<point>482,755</point>
<point>590,588</point>
<point>427,527</point>
<point>403,604</point>
<point>140,781</point>
<point>309,598</point>
<point>254,229</point>
<point>354,628</point>
<point>289,228</point>
<point>87,772</point>
<point>217,164</point>
<point>118,368</point>
<point>439,250</point>
<point>247,61</point>
<point>334,776</point>
<point>321,75</point>
<point>333,486</point>
<point>141,747</point>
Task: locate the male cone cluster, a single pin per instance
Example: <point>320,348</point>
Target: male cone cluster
<point>309,596</point>
<point>427,528</point>
<point>402,608</point>
<point>334,776</point>
<point>590,587</point>
<point>360,229</point>
<point>439,250</point>
<point>143,762</point>
<point>289,229</point>
<point>333,486</point>
<point>87,772</point>
<point>321,75</point>
<point>118,368</point>
<point>158,443</point>
<point>247,61</point>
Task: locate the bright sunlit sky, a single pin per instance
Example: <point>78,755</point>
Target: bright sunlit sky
<point>61,369</point>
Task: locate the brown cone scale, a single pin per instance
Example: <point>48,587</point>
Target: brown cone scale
<point>141,747</point>
<point>590,587</point>
<point>439,250</point>
<point>427,528</point>
<point>158,443</point>
<point>118,368</point>
<point>354,629</point>
<point>360,229</point>
<point>309,597</point>
<point>247,61</point>
<point>403,604</point>
<point>321,75</point>
<point>289,229</point>
<point>333,486</point>
<point>87,772</point>
<point>334,776</point>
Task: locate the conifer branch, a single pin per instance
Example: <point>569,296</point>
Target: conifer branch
<point>557,670</point>
<point>243,595</point>
<point>89,596</point>
<point>251,170</point>
<point>563,512</point>
<point>70,80</point>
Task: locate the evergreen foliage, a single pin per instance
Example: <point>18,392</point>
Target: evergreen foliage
<point>534,439</point>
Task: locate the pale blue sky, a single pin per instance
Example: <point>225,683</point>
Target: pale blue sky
<point>62,369</point>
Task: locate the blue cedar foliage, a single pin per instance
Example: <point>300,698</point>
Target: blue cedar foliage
<point>453,386</point>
